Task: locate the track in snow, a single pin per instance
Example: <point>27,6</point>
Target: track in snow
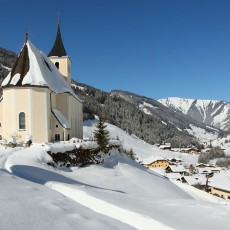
<point>131,218</point>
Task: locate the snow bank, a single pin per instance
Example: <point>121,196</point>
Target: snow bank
<point>33,156</point>
<point>60,147</point>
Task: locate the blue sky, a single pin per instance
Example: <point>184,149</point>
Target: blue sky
<point>155,48</point>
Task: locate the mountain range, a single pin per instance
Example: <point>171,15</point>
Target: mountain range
<point>210,112</point>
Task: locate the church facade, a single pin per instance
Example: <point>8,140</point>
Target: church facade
<point>38,99</point>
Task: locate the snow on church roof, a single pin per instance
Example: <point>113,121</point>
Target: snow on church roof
<point>34,68</point>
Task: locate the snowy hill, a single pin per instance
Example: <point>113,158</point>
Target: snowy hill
<point>119,194</point>
<point>210,112</point>
<point>143,150</point>
<point>223,142</point>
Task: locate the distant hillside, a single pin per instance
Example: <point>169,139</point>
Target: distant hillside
<point>7,60</point>
<point>153,128</point>
<point>210,112</point>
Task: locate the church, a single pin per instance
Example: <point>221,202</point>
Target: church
<point>37,97</point>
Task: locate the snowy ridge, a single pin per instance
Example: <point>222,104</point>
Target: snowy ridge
<point>169,115</point>
<point>211,112</point>
<point>175,102</point>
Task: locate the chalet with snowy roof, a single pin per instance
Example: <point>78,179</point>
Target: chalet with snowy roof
<point>166,146</point>
<point>176,169</point>
<point>194,180</point>
<point>155,161</point>
<point>191,150</point>
<point>220,185</point>
<point>174,176</point>
<point>174,161</point>
<point>38,99</point>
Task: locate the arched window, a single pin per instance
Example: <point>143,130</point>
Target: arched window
<point>57,64</point>
<point>22,120</point>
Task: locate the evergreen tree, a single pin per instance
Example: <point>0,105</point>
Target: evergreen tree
<point>131,154</point>
<point>101,134</point>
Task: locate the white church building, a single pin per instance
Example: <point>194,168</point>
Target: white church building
<point>38,99</point>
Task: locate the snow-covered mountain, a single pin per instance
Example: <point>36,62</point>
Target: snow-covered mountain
<point>175,117</point>
<point>210,112</point>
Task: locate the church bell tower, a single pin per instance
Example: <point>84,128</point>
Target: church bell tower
<point>59,57</point>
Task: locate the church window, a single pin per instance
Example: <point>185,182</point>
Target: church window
<point>22,120</point>
<point>56,126</point>
<point>57,137</point>
<point>57,64</point>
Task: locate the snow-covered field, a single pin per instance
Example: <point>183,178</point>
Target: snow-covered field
<point>202,135</point>
<point>119,194</point>
<point>224,143</point>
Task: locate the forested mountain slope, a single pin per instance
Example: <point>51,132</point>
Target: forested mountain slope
<point>7,60</point>
<point>125,110</point>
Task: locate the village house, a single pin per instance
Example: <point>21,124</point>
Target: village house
<point>191,150</point>
<point>37,97</point>
<point>202,165</point>
<point>195,180</point>
<point>220,185</point>
<point>174,176</point>
<point>176,169</point>
<point>174,161</point>
<point>166,146</point>
<point>155,162</point>
<point>207,168</point>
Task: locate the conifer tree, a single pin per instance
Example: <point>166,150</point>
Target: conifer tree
<point>101,134</point>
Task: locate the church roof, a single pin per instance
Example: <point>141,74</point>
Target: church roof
<point>58,49</point>
<point>34,68</point>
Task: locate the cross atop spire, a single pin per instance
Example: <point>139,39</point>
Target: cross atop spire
<point>27,35</point>
<point>59,21</point>
<point>58,49</point>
